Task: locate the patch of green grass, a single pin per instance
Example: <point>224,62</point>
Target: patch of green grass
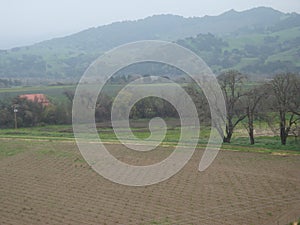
<point>246,61</point>
<point>65,132</point>
<point>239,42</point>
<point>285,35</point>
<point>286,56</point>
<point>55,93</point>
<point>56,153</point>
<point>270,144</point>
<point>11,149</point>
<point>164,221</point>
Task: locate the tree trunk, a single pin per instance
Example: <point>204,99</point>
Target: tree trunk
<point>250,125</point>
<point>227,138</point>
<point>283,135</point>
<point>251,136</point>
<point>229,132</point>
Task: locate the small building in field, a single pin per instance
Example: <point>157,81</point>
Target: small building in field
<point>39,98</point>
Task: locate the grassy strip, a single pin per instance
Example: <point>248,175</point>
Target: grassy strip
<point>65,133</point>
<point>18,90</point>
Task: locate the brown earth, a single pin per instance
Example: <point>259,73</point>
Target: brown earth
<point>49,183</point>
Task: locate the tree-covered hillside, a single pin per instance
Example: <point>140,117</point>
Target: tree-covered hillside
<point>265,53</point>
<point>259,41</point>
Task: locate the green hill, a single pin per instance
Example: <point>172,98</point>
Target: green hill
<point>260,54</point>
<point>256,41</point>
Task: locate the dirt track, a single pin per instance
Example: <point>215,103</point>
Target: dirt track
<point>57,187</point>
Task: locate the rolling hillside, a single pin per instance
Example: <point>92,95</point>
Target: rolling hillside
<point>257,41</point>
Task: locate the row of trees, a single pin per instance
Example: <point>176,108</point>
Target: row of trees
<point>6,83</point>
<point>32,113</point>
<point>275,102</point>
<point>278,98</point>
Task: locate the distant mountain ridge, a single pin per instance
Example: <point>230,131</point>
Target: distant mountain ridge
<point>168,27</point>
<point>66,58</point>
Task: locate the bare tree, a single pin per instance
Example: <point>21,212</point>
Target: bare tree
<point>286,102</point>
<point>69,95</point>
<point>200,102</point>
<point>251,101</point>
<point>231,83</point>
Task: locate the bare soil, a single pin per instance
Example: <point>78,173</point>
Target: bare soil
<point>49,183</point>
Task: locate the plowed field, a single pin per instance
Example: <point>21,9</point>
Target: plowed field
<point>48,182</point>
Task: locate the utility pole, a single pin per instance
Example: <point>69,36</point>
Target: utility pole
<point>15,115</point>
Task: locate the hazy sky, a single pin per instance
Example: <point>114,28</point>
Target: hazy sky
<point>25,22</point>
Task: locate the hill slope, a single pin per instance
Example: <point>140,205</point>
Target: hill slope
<point>66,58</point>
<point>260,54</point>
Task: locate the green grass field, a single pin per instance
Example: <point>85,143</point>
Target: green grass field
<point>54,93</point>
<point>265,144</point>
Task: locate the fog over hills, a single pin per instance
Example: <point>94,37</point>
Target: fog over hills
<point>259,41</point>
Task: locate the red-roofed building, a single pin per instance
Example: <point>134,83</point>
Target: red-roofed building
<point>40,98</point>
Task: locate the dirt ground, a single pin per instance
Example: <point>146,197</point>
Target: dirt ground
<point>49,183</point>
